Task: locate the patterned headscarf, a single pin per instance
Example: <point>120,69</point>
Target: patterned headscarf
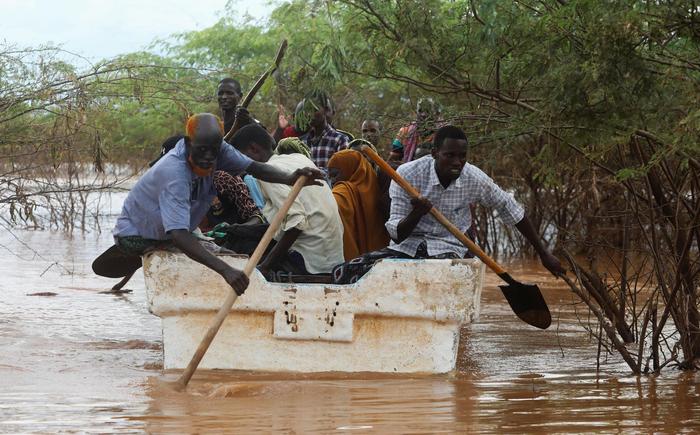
<point>291,145</point>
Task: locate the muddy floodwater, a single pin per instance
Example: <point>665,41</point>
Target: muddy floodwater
<point>75,360</point>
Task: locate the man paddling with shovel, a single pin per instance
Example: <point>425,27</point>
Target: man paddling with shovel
<point>445,180</point>
<point>171,199</point>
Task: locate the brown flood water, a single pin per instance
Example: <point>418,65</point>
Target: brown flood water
<point>81,361</point>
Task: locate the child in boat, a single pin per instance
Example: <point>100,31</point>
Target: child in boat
<point>170,200</point>
<point>357,192</point>
<point>443,178</point>
<point>311,239</point>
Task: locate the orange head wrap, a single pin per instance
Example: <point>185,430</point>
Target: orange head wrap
<point>193,122</point>
<point>191,130</point>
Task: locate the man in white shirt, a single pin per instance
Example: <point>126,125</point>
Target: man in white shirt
<point>448,182</point>
<point>311,238</point>
<point>445,180</point>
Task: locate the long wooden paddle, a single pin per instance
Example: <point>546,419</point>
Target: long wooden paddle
<point>525,300</point>
<point>258,84</point>
<point>225,309</point>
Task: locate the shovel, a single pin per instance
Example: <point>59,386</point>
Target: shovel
<point>525,300</point>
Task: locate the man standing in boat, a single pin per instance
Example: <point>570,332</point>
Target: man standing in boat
<point>171,199</point>
<point>446,180</point>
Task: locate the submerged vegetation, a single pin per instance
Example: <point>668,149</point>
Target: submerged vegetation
<point>587,109</point>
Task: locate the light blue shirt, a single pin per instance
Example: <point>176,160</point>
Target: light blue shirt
<point>254,191</point>
<point>171,197</point>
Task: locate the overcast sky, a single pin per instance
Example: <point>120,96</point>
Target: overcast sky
<point>99,29</point>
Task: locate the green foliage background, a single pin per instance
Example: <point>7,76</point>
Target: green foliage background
<point>587,110</point>
<point>548,91</point>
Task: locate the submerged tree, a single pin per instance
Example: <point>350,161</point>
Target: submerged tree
<point>61,126</point>
<point>594,104</point>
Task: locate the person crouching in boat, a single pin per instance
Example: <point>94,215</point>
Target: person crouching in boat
<point>443,178</point>
<point>171,199</point>
<point>311,238</point>
<point>358,195</point>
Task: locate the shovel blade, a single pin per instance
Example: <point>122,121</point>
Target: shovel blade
<point>113,263</point>
<point>527,303</point>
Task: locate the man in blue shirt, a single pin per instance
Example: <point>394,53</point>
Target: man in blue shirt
<point>171,199</point>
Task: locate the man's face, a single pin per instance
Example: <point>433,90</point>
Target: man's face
<point>450,158</point>
<point>204,152</point>
<point>308,115</point>
<point>227,96</point>
<point>370,131</point>
<point>259,153</point>
<point>318,120</point>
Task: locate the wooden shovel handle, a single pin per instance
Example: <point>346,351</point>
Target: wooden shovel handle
<point>384,166</point>
<point>248,270</point>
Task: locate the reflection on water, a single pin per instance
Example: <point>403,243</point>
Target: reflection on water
<point>81,360</point>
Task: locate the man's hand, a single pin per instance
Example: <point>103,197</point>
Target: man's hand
<point>243,116</point>
<point>552,264</point>
<point>421,206</point>
<point>314,177</point>
<point>236,279</point>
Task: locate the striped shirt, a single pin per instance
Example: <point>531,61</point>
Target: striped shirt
<point>325,145</point>
<point>472,186</point>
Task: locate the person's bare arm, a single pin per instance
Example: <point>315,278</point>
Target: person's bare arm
<point>271,174</point>
<point>549,261</point>
<point>421,207</point>
<point>188,244</point>
<point>280,250</point>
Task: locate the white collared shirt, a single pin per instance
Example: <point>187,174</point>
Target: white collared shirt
<point>472,186</point>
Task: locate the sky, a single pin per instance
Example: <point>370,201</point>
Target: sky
<point>99,29</point>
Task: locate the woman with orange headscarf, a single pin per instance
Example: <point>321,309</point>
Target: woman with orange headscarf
<point>356,190</point>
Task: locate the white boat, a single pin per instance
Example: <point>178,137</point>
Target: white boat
<point>404,316</point>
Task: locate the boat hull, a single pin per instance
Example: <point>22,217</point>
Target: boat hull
<point>404,316</point>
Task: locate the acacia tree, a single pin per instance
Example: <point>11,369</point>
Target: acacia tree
<point>586,110</point>
<point>595,106</point>
<point>61,126</point>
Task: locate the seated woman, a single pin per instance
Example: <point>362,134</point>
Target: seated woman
<point>383,179</point>
<point>233,203</point>
<point>356,190</point>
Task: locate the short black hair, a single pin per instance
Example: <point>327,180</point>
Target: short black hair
<point>448,132</point>
<point>252,133</point>
<point>236,84</point>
